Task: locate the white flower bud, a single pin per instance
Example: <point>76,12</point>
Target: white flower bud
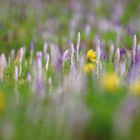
<point>16,73</point>
<point>78,44</point>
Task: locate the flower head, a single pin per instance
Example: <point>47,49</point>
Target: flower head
<point>110,82</point>
<point>91,55</point>
<point>122,51</point>
<point>89,67</point>
<point>66,56</point>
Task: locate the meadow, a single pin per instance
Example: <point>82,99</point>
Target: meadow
<point>69,70</point>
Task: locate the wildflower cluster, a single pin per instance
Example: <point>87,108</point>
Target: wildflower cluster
<point>58,77</point>
<point>58,83</point>
<point>91,64</point>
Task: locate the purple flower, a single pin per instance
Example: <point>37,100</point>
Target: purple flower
<point>104,55</point>
<point>58,59</point>
<point>129,30</point>
<point>32,47</point>
<point>58,65</point>
<point>39,55</point>
<point>98,50</point>
<point>39,61</point>
<point>39,85</point>
<point>28,77</point>
<point>133,71</point>
<point>137,58</point>
<point>66,56</point>
<point>122,51</point>
<point>138,48</point>
<point>131,50</point>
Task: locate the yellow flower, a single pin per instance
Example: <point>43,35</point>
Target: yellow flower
<point>110,82</point>
<point>89,67</point>
<point>91,55</point>
<point>2,101</point>
<point>135,88</point>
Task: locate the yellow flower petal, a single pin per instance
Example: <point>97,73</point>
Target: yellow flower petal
<point>91,55</point>
<point>110,82</point>
<point>89,67</point>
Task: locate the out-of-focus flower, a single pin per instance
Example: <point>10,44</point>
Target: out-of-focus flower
<point>117,60</point>
<point>3,65</point>
<point>28,77</point>
<point>137,59</point>
<point>89,67</point>
<point>110,82</point>
<point>56,56</point>
<point>117,55</point>
<point>138,48</point>
<point>32,47</point>
<point>47,61</point>
<point>66,56</point>
<point>19,58</point>
<point>122,51</point>
<point>20,54</point>
<point>134,43</point>
<point>39,86</point>
<point>87,30</point>
<point>39,62</point>
<point>123,68</point>
<point>2,101</point>
<point>45,47</point>
<point>135,87</point>
<point>78,44</point>
<point>31,51</point>
<point>134,47</point>
<point>98,50</point>
<point>72,55</point>
<point>16,73</point>
<point>91,55</point>
<point>111,51</point>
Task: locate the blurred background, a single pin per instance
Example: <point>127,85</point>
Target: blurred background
<point>24,21</point>
<point>57,22</point>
